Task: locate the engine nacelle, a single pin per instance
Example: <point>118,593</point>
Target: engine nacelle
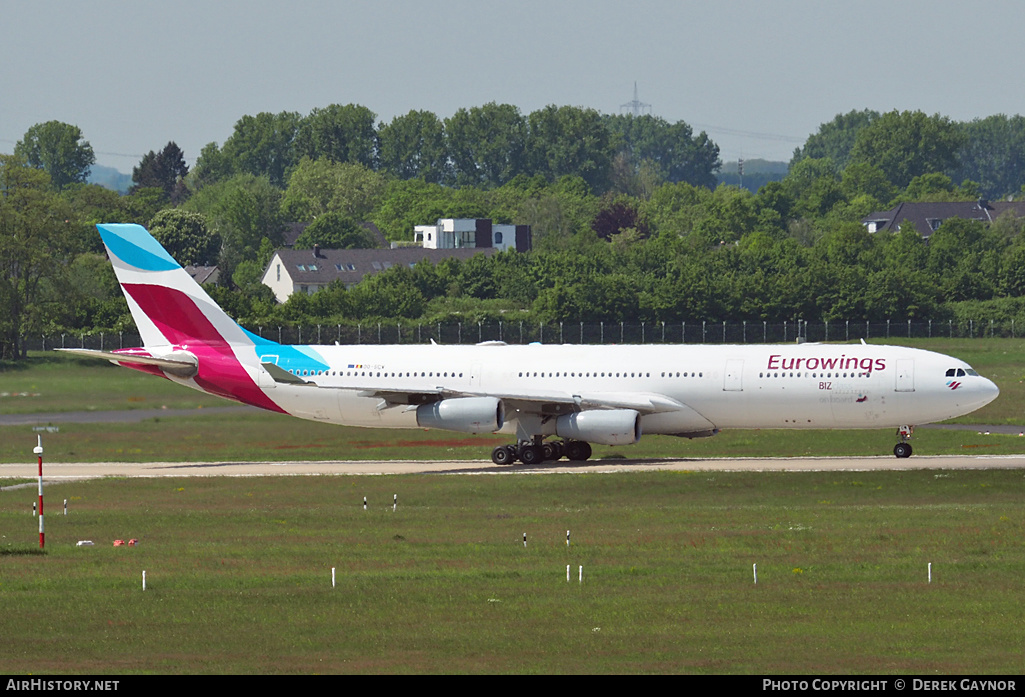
<point>463,414</point>
<point>611,427</point>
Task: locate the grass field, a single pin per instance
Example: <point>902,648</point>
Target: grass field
<point>51,382</point>
<point>238,575</point>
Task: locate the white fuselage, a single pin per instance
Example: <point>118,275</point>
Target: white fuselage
<point>677,389</point>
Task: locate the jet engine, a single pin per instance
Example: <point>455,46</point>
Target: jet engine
<point>463,414</point>
<point>608,427</point>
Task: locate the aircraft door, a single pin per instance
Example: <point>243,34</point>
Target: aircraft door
<point>733,376</point>
<point>905,375</point>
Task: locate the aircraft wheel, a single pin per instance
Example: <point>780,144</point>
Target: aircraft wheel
<point>531,454</point>
<point>578,450</point>
<point>902,450</point>
<point>551,451</point>
<point>503,455</point>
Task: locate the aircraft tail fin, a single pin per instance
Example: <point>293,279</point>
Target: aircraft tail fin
<point>168,306</point>
<point>184,332</point>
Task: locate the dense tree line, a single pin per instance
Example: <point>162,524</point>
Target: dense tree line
<point>627,225</point>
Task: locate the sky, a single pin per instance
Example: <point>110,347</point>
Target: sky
<point>757,76</point>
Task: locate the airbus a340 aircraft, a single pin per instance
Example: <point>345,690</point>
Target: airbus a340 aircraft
<point>555,399</point>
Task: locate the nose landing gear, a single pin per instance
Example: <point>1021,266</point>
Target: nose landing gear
<point>903,449</point>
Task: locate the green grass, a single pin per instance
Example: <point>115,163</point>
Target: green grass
<point>238,575</point>
<point>266,437</point>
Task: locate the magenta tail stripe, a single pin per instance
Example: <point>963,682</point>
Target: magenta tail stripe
<point>182,323</point>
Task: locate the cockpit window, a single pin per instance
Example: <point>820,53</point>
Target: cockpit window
<point>972,372</point>
<point>950,372</point>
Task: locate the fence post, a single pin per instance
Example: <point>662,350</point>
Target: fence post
<point>642,332</point>
<point>703,330</point>
<point>745,331</point>
<point>909,329</point>
<point>784,331</point>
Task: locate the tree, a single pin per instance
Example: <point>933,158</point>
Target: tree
<point>185,236</point>
<point>321,186</point>
<point>339,134</point>
<point>35,243</point>
<point>56,148</point>
<point>413,146</point>
<point>262,144</point>
<point>335,231</point>
<point>617,215</point>
<point>164,170</point>
<point>993,154</point>
<point>909,143</point>
<point>243,212</point>
<point>835,139</point>
<point>487,144</point>
<point>673,149</point>
<point>570,140</point>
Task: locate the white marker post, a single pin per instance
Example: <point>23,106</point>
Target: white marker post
<point>144,579</point>
<point>38,450</point>
<point>364,503</point>
<point>930,572</point>
<point>65,506</point>
<point>394,502</point>
<point>332,577</point>
<point>524,539</point>
<point>567,573</point>
<point>581,579</point>
<point>567,538</point>
<point>754,568</point>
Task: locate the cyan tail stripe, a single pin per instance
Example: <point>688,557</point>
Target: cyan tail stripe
<point>136,247</point>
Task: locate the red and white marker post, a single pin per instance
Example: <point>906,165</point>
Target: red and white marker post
<point>38,450</point>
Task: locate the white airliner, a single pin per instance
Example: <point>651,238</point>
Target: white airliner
<point>555,399</point>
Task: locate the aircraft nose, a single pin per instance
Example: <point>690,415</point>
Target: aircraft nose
<point>990,390</point>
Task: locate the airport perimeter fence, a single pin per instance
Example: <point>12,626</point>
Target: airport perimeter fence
<point>743,332</point>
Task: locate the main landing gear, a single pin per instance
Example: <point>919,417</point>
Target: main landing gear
<point>903,449</point>
<point>534,452</point>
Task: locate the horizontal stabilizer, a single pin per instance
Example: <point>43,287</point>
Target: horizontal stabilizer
<point>181,363</point>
